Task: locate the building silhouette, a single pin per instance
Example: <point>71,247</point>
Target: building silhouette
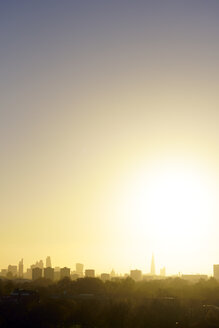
<point>4,272</point>
<point>216,271</point>
<point>12,270</point>
<point>153,273</point>
<point>163,272</point>
<point>37,273</point>
<point>38,264</point>
<point>90,273</point>
<point>65,272</point>
<point>21,268</point>
<point>56,273</point>
<point>74,276</point>
<point>48,262</point>
<point>136,275</point>
<point>79,269</point>
<point>28,274</point>
<point>49,273</point>
<point>105,276</point>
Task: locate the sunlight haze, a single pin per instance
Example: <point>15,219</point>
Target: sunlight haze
<point>109,134</point>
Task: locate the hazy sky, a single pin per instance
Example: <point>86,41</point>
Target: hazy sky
<point>109,133</point>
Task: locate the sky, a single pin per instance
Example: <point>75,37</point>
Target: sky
<point>109,134</point>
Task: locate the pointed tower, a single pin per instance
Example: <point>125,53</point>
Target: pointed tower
<point>153,266</point>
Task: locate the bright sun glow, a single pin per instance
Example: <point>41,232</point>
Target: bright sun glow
<point>170,205</point>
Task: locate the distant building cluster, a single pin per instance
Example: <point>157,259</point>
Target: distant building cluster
<point>38,270</point>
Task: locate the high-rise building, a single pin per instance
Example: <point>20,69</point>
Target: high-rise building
<point>13,270</point>
<point>57,269</point>
<point>74,276</point>
<point>49,273</point>
<point>65,272</point>
<point>153,273</point>
<point>163,272</point>
<point>36,273</point>
<point>136,275</point>
<point>90,273</point>
<point>216,271</point>
<point>48,262</point>
<point>56,273</point>
<point>3,272</point>
<point>105,276</point>
<point>79,269</point>
<point>38,264</point>
<point>21,268</point>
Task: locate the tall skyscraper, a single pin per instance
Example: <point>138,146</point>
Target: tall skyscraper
<point>36,273</point>
<point>153,266</point>
<point>21,268</point>
<point>49,273</point>
<point>65,272</point>
<point>79,269</point>
<point>48,262</point>
<point>39,264</point>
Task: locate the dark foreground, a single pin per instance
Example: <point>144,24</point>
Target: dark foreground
<point>89,302</point>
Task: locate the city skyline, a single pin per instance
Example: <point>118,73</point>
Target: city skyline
<point>80,269</point>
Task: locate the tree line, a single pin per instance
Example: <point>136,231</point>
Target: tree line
<point>123,303</point>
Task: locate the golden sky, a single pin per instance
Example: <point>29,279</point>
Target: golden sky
<point>109,134</point>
